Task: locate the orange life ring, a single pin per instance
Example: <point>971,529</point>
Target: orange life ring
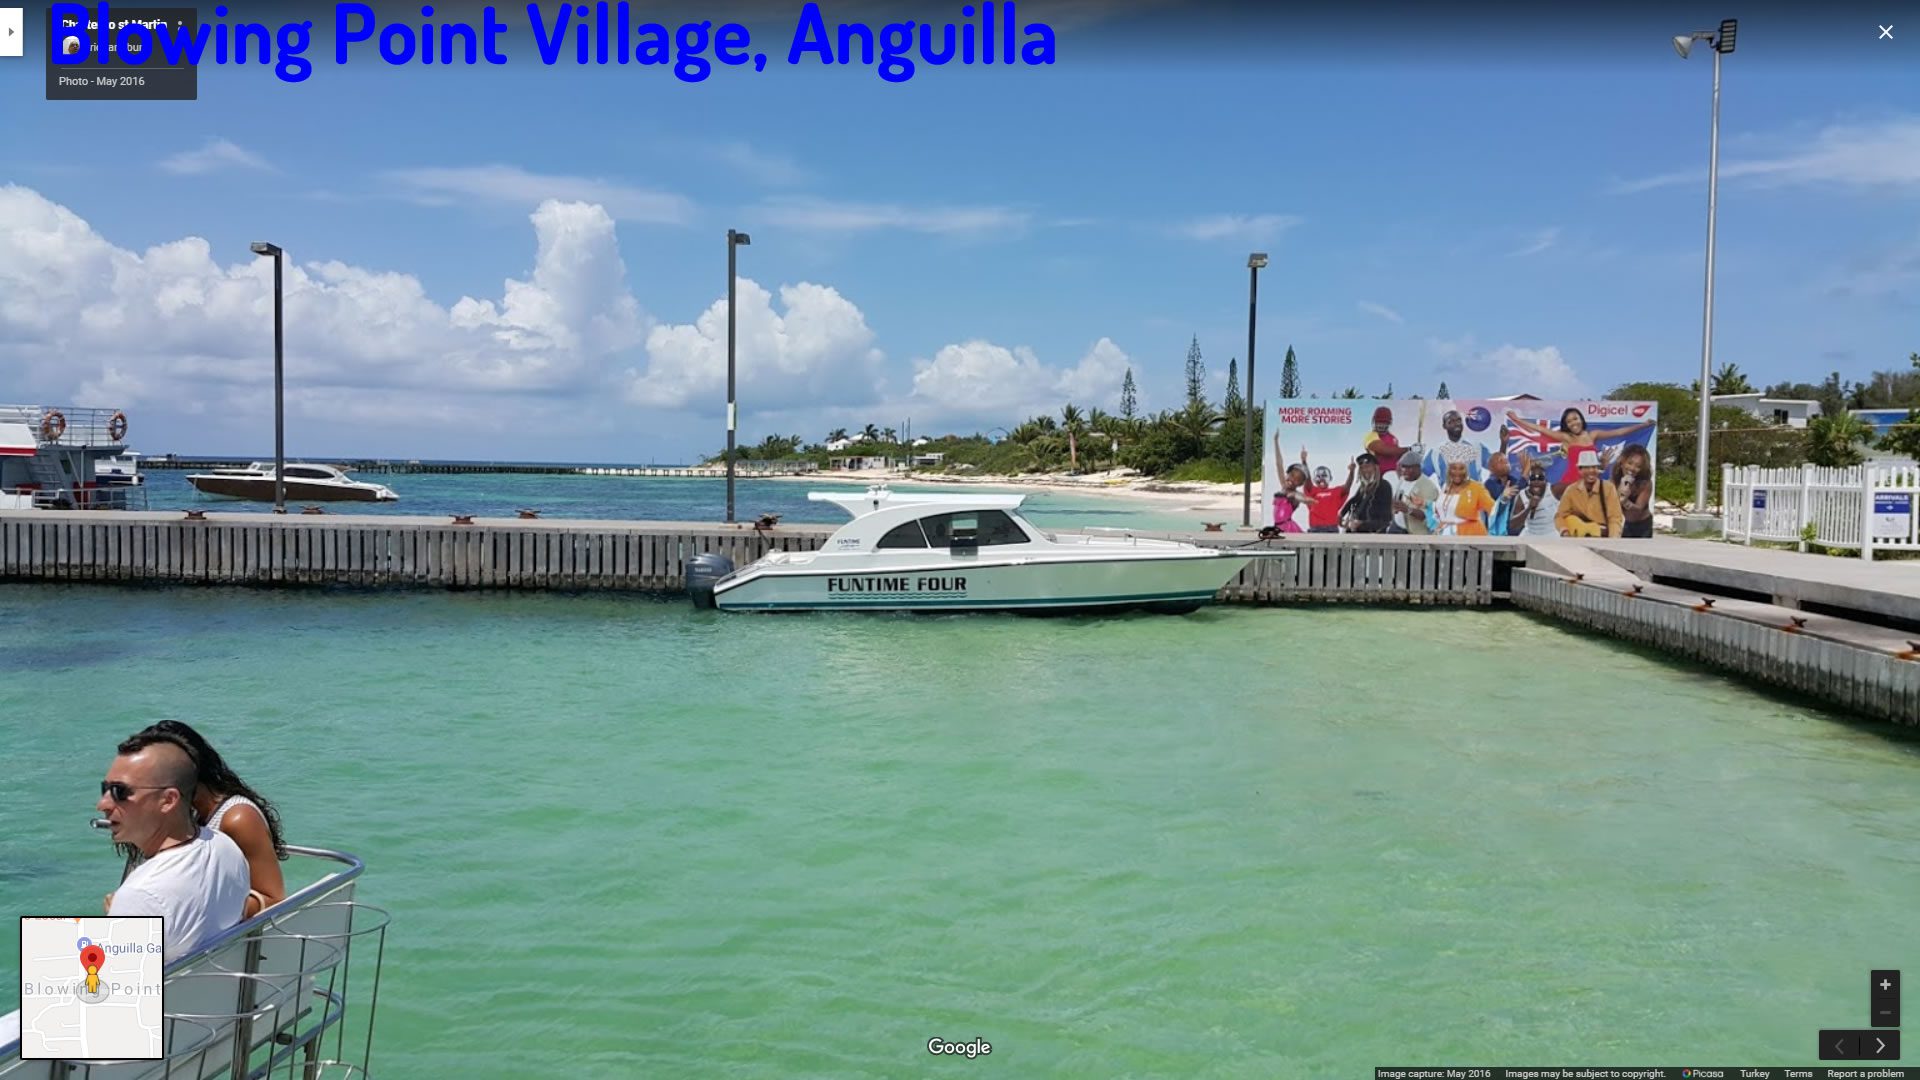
<point>53,425</point>
<point>117,427</point>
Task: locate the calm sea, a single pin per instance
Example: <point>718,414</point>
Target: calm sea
<point>619,837</point>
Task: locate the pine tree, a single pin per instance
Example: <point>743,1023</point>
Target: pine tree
<point>1443,395</point>
<point>1129,399</point>
<point>1232,403</point>
<point>1196,374</point>
<point>1290,377</point>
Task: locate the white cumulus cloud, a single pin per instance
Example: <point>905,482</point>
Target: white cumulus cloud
<point>177,334</point>
<point>819,349</point>
<point>1509,369</point>
<point>979,381</point>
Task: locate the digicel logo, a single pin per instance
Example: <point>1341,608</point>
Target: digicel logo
<point>1607,408</point>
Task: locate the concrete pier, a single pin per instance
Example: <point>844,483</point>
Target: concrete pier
<point>1845,631</point>
<point>644,556</point>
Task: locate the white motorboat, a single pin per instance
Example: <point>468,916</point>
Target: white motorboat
<point>304,482</point>
<point>912,551</point>
<point>121,471</point>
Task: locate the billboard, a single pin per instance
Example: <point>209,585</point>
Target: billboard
<point>1467,466</point>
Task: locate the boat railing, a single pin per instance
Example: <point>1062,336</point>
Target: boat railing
<point>76,426</point>
<point>96,497</point>
<point>293,990</point>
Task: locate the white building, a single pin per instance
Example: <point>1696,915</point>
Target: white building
<point>1788,412</point>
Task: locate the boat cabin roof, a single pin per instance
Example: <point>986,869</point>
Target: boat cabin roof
<point>879,511</point>
<point>875,499</point>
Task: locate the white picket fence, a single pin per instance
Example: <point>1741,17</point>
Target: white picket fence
<point>1870,507</point>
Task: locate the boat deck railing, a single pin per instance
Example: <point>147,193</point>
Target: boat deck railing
<point>101,496</point>
<point>83,426</point>
<point>292,991</point>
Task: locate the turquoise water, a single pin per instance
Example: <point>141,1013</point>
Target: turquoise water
<point>620,837</point>
<point>676,499</point>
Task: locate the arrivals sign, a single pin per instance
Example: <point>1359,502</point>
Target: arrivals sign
<point>1892,515</point>
<point>1316,475</point>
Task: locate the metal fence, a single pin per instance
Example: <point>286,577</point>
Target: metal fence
<point>1867,507</point>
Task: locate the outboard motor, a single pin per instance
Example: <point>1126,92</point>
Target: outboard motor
<point>704,571</point>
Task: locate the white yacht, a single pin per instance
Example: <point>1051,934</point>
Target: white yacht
<point>121,471</point>
<point>912,551</point>
<point>304,482</point>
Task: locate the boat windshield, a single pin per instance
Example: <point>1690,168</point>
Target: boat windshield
<point>983,528</point>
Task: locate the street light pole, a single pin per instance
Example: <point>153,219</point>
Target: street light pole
<point>734,240</point>
<point>1722,42</point>
<point>279,382</point>
<point>1254,262</point>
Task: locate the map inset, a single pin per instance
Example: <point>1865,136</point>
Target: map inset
<point>90,988</point>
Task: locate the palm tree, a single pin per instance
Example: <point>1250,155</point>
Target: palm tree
<point>836,434</point>
<point>869,434</point>
<point>1193,423</point>
<point>1075,425</point>
<point>1103,425</point>
<point>1731,380</point>
<point>1831,439</point>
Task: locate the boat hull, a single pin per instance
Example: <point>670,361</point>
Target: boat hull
<point>1038,586</point>
<point>255,490</point>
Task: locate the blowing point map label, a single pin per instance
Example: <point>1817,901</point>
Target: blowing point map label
<point>90,988</point>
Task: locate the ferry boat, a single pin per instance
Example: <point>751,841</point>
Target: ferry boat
<point>912,551</point>
<point>52,458</point>
<point>267,997</point>
<point>305,481</point>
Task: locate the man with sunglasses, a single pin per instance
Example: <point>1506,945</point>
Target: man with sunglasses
<point>194,878</point>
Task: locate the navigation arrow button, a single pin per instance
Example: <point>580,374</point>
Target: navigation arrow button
<point>1839,1046</point>
<point>1880,1045</point>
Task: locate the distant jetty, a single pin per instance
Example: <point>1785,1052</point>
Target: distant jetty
<point>741,468</point>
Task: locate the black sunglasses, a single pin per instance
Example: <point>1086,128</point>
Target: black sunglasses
<point>122,792</point>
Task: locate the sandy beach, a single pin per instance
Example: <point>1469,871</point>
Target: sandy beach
<point>1223,499</point>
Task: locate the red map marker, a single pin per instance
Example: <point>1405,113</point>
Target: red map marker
<point>91,958</point>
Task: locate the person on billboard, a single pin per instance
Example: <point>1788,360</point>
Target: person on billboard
<point>1323,515</point>
<point>1633,476</point>
<point>1293,495</point>
<point>1463,505</point>
<point>1591,507</point>
<point>1456,448</point>
<point>1412,494</point>
<point>1574,435</point>
<point>1499,479</point>
<point>1384,448</point>
<point>1534,506</point>
<point>1370,508</point>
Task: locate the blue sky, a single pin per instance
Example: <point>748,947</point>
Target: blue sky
<point>960,249</point>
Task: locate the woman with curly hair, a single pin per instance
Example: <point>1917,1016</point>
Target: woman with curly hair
<point>223,802</point>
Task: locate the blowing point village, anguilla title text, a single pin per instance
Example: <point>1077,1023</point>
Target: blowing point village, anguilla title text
<point>986,33</point>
